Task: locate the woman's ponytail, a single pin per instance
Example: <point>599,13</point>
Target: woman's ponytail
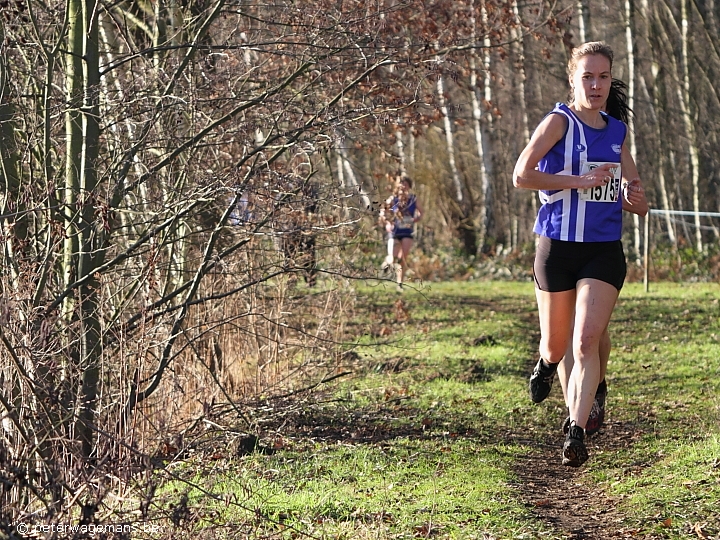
<point>617,102</point>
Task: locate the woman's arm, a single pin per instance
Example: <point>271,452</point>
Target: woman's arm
<point>550,131</point>
<point>418,211</point>
<point>633,194</point>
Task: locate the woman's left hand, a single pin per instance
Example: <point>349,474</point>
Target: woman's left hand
<point>634,192</point>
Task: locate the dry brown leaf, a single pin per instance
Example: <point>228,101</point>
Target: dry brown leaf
<point>697,529</point>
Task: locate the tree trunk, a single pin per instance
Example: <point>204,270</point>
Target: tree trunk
<point>582,21</point>
<point>465,227</point>
<point>351,178</point>
<point>684,95</point>
<point>652,107</point>
<point>14,222</point>
<point>631,119</point>
<point>401,152</point>
<point>526,200</point>
<point>457,184</point>
<point>682,90</point>
<point>80,250</point>
<point>481,137</point>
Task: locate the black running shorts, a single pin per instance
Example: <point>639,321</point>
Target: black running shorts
<point>559,265</point>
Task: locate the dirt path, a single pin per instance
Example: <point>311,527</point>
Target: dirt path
<point>565,499</point>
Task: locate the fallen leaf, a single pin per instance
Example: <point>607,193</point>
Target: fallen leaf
<point>425,530</point>
<point>697,529</point>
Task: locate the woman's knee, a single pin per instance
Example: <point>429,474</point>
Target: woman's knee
<point>553,350</point>
<point>586,346</point>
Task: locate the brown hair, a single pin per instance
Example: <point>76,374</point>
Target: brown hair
<point>617,102</point>
<point>402,178</point>
<point>586,49</point>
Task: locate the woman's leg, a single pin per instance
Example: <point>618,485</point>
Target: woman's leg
<point>556,316</point>
<point>556,311</point>
<point>566,365</point>
<point>389,258</point>
<point>403,250</point>
<point>593,308</point>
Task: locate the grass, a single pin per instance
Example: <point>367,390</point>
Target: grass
<point>427,436</point>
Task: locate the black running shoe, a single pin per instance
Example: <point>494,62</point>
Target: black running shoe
<point>541,381</point>
<point>594,423</point>
<point>597,413</point>
<point>574,451</point>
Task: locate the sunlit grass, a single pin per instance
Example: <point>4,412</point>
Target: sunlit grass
<point>425,429</point>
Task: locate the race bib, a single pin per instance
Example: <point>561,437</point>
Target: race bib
<point>407,222</point>
<point>609,192</point>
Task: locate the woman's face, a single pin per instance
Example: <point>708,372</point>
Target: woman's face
<point>591,82</point>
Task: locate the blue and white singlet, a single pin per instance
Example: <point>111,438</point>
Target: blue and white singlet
<point>592,215</point>
<point>404,222</point>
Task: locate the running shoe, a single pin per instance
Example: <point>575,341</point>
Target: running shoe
<point>597,413</point>
<point>541,381</point>
<point>574,451</point>
<point>596,420</point>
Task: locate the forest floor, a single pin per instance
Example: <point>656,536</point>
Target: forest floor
<point>577,509</point>
<point>426,430</point>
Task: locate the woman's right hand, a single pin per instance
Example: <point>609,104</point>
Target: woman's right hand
<point>599,176</point>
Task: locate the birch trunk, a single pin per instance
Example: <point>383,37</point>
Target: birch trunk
<point>582,21</point>
<point>481,140</point>
<point>13,224</point>
<point>684,96</point>
<point>487,188</point>
<point>80,307</point>
<point>682,90</point>
<point>401,152</point>
<point>465,227</point>
<point>457,184</point>
<point>90,342</point>
<point>652,108</point>
<point>631,119</point>
<point>518,48</point>
<point>350,175</point>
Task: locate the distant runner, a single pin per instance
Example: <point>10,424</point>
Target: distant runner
<point>399,215</point>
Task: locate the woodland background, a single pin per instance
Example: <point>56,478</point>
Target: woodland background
<point>174,173</point>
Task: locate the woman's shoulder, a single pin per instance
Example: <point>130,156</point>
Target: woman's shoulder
<point>555,123</point>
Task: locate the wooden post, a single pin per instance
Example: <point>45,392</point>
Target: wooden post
<point>646,253</point>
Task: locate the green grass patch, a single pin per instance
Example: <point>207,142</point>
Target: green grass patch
<point>427,436</point>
